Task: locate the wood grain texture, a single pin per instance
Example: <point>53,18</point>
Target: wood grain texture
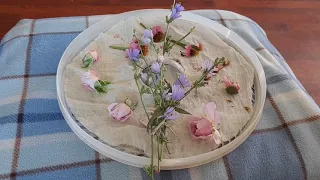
<point>293,26</point>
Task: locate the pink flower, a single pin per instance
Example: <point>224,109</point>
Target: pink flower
<point>156,30</point>
<point>206,127</point>
<point>157,33</point>
<point>89,78</point>
<point>200,128</point>
<point>134,45</point>
<point>189,51</point>
<point>119,111</point>
<point>94,55</point>
<point>231,87</point>
<point>89,59</point>
<point>199,46</point>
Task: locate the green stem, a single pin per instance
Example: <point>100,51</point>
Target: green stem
<point>138,66</point>
<point>195,84</point>
<point>118,47</point>
<point>158,139</point>
<point>178,43</point>
<point>143,26</point>
<point>152,171</point>
<point>165,39</point>
<point>183,37</point>
<point>184,45</point>
<point>144,107</point>
<point>158,127</point>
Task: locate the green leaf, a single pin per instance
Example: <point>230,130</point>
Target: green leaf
<point>104,83</point>
<point>156,113</point>
<point>99,88</point>
<point>182,111</point>
<point>87,63</point>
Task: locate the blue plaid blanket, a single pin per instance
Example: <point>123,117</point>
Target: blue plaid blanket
<point>36,142</point>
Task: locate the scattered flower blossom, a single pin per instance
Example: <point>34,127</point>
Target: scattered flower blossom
<point>119,111</point>
<point>90,58</point>
<point>231,86</point>
<point>206,127</point>
<point>175,11</point>
<point>155,67</point>
<point>157,33</point>
<point>189,51</point>
<point>170,114</point>
<point>133,54</point>
<point>89,78</point>
<point>177,92</point>
<point>182,81</point>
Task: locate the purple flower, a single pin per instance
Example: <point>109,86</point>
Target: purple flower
<point>175,12</point>
<point>144,77</point>
<point>155,67</point>
<point>147,35</point>
<point>166,95</point>
<point>133,54</point>
<point>170,114</point>
<point>177,92</point>
<point>206,65</point>
<point>182,81</point>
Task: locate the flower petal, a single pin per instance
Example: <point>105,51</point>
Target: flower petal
<point>217,137</point>
<point>226,81</point>
<point>94,55</point>
<point>112,106</point>
<point>209,111</point>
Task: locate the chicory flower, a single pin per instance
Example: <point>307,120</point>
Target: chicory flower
<point>170,114</point>
<point>155,67</point>
<point>175,11</point>
<point>177,92</point>
<point>133,54</point>
<point>147,35</point>
<point>182,81</point>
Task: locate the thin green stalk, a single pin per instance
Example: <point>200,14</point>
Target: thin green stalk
<point>139,66</point>
<point>178,43</point>
<point>144,107</point>
<point>152,172</point>
<point>143,26</point>
<point>118,47</point>
<point>158,127</point>
<point>165,39</point>
<point>158,139</point>
<point>196,83</point>
<point>182,37</point>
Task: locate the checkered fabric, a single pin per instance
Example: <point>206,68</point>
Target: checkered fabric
<point>36,142</point>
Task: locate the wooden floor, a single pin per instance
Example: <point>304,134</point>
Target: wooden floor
<point>293,26</point>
